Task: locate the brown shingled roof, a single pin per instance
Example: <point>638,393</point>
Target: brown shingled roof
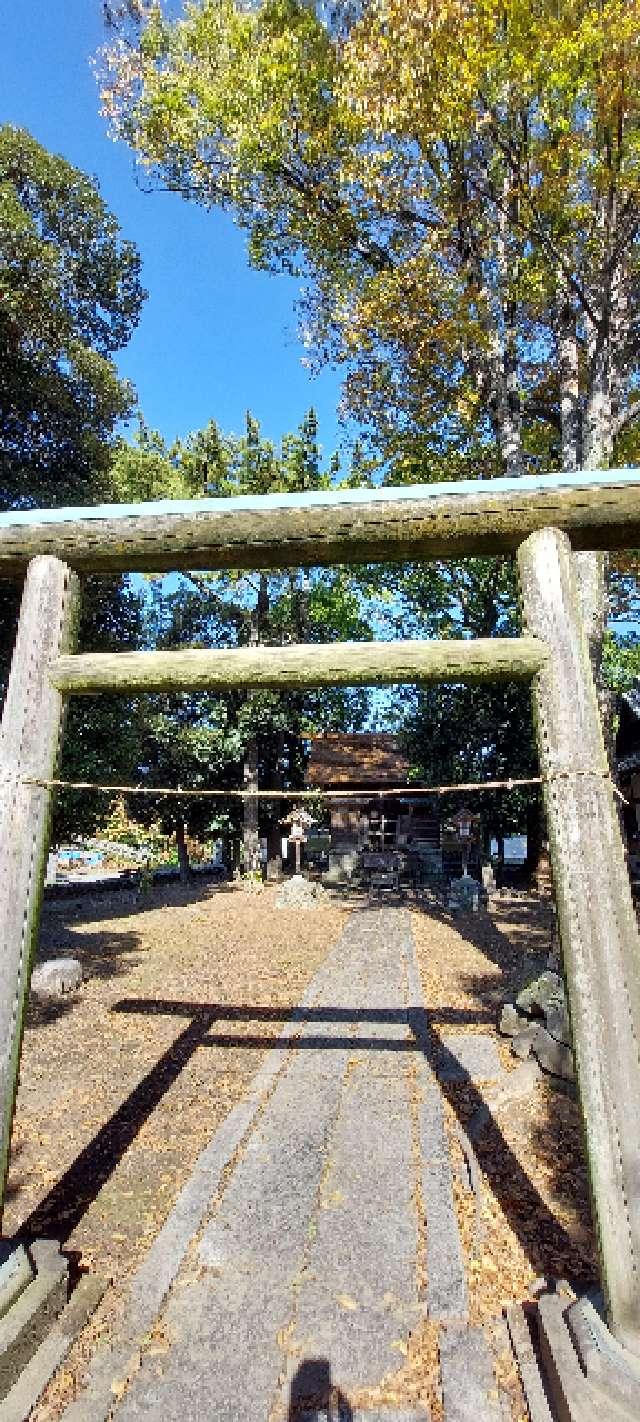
<point>367,758</point>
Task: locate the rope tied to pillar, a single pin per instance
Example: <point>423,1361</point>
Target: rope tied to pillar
<point>205,793</point>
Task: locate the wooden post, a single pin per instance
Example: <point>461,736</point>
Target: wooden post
<point>29,740</point>
<point>598,930</point>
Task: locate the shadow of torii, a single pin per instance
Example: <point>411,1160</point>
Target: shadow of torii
<point>61,1210</point>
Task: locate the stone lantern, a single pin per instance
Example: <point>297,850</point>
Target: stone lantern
<point>300,821</point>
<point>464,825</point>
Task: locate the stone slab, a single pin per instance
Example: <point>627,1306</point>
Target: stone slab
<point>470,1056</point>
<point>358,1296</point>
<point>24,1326</point>
<point>18,1405</point>
<point>16,1271</point>
<point>610,1368</point>
<point>574,1397</point>
<point>468,1385</point>
<point>528,1367</point>
<point>446,1294</point>
<point>225,1357</point>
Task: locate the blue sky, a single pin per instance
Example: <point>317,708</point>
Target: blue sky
<point>215,337</point>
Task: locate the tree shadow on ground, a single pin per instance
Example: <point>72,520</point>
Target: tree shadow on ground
<point>74,928</point>
<point>105,953</point>
<point>313,1397</point>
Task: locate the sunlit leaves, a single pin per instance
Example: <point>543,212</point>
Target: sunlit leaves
<point>70,295</point>
<point>430,170</point>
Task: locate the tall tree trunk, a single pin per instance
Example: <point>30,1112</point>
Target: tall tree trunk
<point>274,833</point>
<point>591,568</point>
<point>597,443</point>
<point>509,410</point>
<point>567,347</point>
<point>250,825</point>
<point>183,853</point>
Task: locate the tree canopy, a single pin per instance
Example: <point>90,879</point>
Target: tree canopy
<point>71,297</point>
<point>198,740</point>
<point>458,185</point>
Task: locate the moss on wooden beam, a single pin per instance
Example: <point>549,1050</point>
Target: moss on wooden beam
<point>598,509</point>
<point>333,664</point>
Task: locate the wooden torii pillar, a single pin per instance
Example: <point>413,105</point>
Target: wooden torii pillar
<point>598,928</point>
<point>29,743</point>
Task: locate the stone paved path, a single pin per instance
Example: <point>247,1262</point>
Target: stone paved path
<point>296,1270</point>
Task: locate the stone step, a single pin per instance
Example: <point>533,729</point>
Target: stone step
<point>16,1271</point>
<point>18,1405</point>
<point>572,1397</point>
<point>523,1344</point>
<point>26,1323</point>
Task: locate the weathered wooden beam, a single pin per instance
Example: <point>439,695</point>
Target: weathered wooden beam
<point>600,510</point>
<point>29,739</point>
<point>332,664</point>
<point>598,929</point>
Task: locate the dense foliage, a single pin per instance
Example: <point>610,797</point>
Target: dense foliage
<point>239,739</point>
<point>70,297</point>
<point>458,184</point>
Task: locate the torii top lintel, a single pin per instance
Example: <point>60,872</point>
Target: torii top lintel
<point>598,509</point>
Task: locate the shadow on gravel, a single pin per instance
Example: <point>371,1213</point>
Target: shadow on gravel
<point>313,1397</point>
<point>62,1209</point>
<point>515,940</point>
<point>106,954</point>
<point>247,1012</point>
<point>546,1243</point>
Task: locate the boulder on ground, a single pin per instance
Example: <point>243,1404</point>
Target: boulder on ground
<point>553,1056</point>
<point>557,1024</point>
<point>538,1023</point>
<point>299,892</point>
<point>56,977</point>
<point>544,992</point>
<point>522,1041</point>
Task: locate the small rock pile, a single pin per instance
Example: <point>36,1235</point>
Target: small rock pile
<point>538,1024</point>
<point>299,892</point>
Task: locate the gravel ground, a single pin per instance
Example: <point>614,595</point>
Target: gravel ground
<point>123,1085</point>
<point>118,1090</point>
<point>535,1214</point>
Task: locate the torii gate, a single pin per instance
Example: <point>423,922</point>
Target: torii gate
<point>541,519</point>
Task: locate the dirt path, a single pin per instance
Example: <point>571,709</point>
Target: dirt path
<point>323,1275</point>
